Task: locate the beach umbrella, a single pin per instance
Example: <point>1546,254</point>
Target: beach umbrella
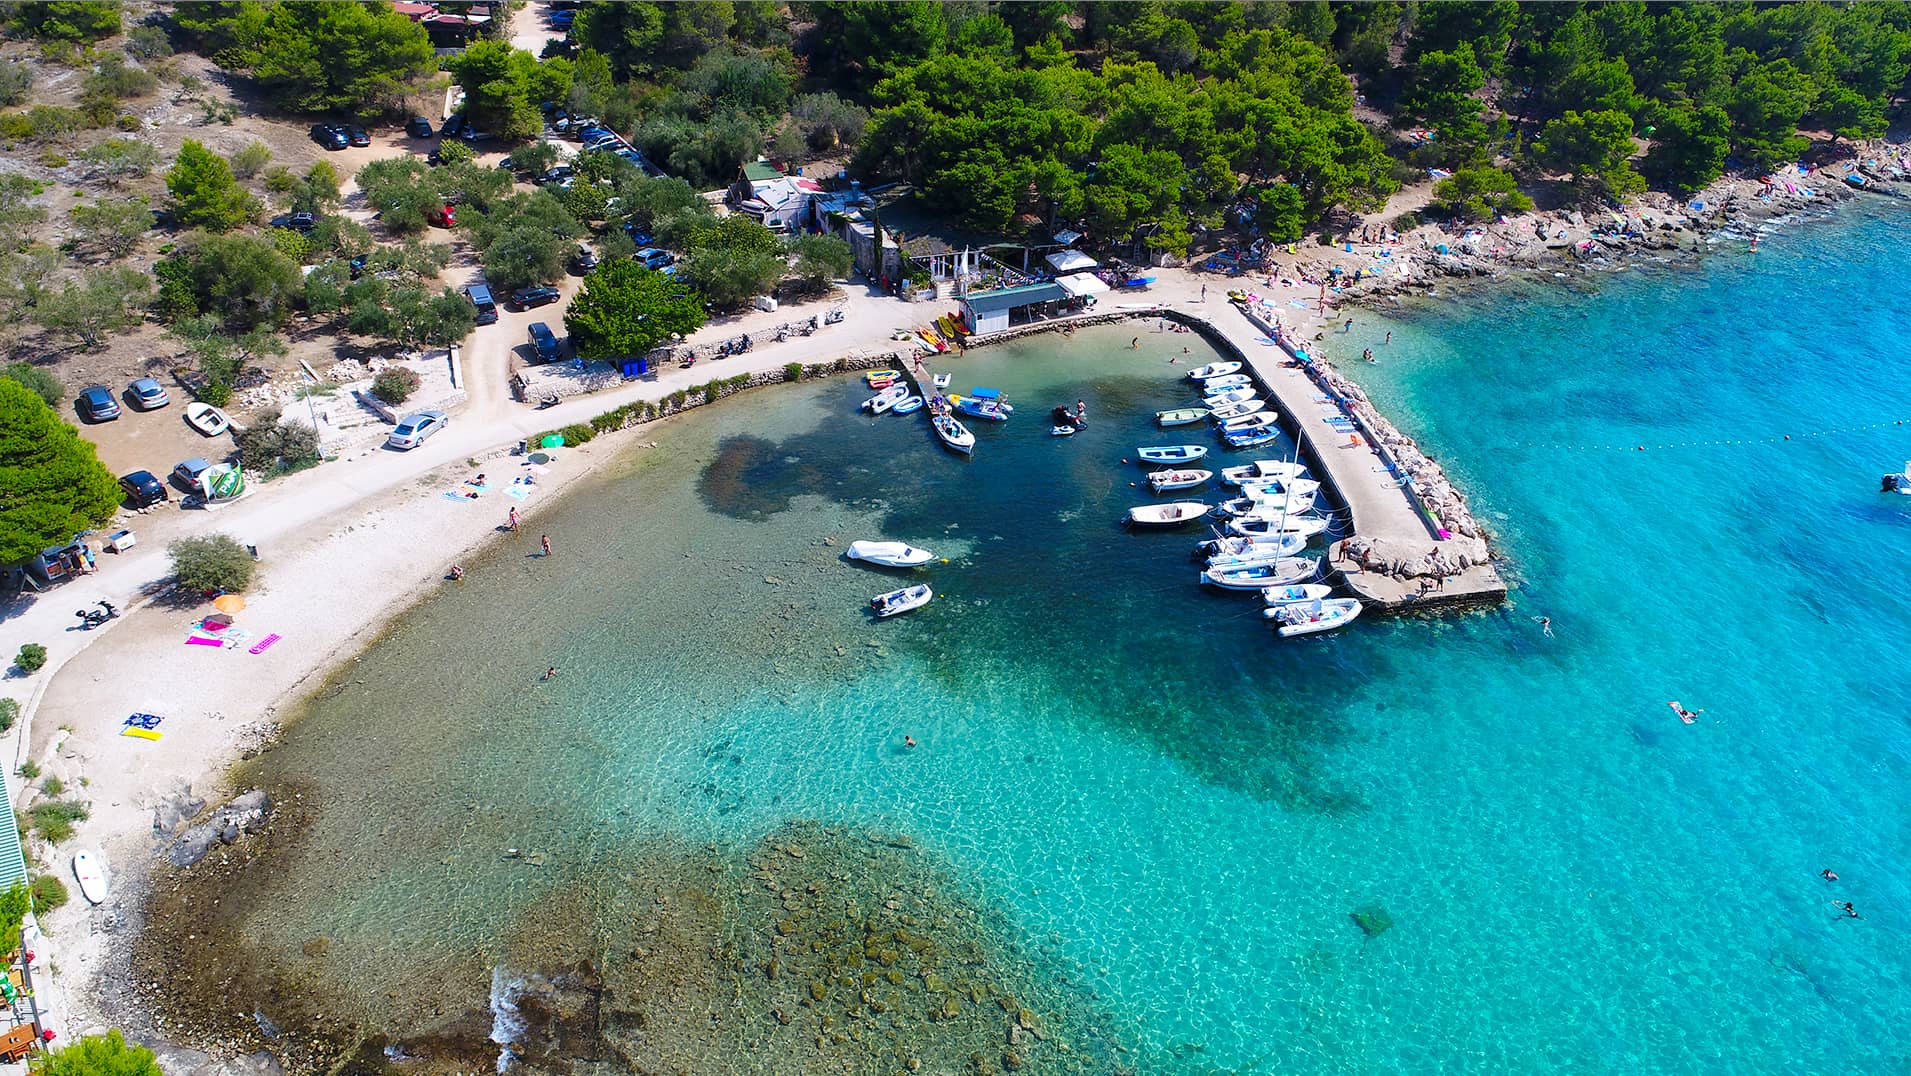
<point>229,603</point>
<point>551,440</point>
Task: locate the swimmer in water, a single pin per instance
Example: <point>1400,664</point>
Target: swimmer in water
<point>909,741</point>
<point>1545,625</point>
<point>550,673</point>
<point>1828,875</point>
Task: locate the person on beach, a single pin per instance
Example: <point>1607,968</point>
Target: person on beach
<point>456,574</point>
<point>550,673</point>
<point>544,541</point>
<point>1204,293</point>
<point>512,521</point>
<point>1349,327</point>
<point>1828,875</point>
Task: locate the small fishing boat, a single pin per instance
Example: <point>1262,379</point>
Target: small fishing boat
<point>874,376</point>
<point>1275,488</point>
<point>954,434</point>
<point>1292,503</point>
<point>1305,619</point>
<point>889,554</point>
<point>1215,549</point>
<point>90,871</point>
<point>1230,396</point>
<point>1891,483</point>
<point>1214,369</point>
<point>207,419</point>
<point>983,403</point>
<point>1231,381</point>
<point>901,601</point>
<point>1174,514</point>
<point>1262,469</point>
<point>1249,406</point>
<point>1255,421</point>
<point>908,406</point>
<point>1266,435</point>
<point>1282,551</point>
<point>1180,416</point>
<point>886,399</point>
<point>1250,577</point>
<point>1294,594</point>
<point>1171,453</point>
<point>1062,431</point>
<point>1167,480</point>
<point>1263,526</point>
<point>1294,570</point>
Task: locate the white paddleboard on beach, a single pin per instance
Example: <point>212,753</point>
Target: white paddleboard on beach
<point>92,876</point>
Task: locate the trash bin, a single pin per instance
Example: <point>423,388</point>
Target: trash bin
<point>121,541</point>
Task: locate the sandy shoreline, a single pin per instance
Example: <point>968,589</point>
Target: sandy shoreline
<point>330,586</point>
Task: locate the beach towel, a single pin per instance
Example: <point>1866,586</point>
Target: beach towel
<point>142,726</point>
<point>518,493</point>
<point>200,640</point>
<point>264,644</point>
<point>455,495</point>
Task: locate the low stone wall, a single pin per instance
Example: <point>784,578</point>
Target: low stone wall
<point>639,412</point>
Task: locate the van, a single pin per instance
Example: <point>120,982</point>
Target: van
<point>487,306</point>
<point>543,342</point>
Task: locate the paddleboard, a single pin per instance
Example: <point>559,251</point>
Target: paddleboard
<point>1681,711</point>
<point>91,875</point>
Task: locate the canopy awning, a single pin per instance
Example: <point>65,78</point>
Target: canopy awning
<point>1079,284</point>
<point>1067,237</point>
<point>1069,261</point>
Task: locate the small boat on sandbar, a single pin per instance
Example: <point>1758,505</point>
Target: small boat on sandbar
<point>954,434</point>
<point>1166,480</point>
<point>1171,453</point>
<point>1248,577</point>
<point>1266,435</point>
<point>886,399</point>
<point>1267,469</point>
<point>1175,514</point>
<point>1061,431</point>
<point>1180,416</point>
<point>1230,396</point>
<point>900,601</point>
<point>1294,594</point>
<point>1305,619</point>
<point>1214,369</point>
<point>1254,421</point>
<point>1231,381</point>
<point>207,419</point>
<point>1235,410</point>
<point>889,554</point>
<point>909,406</point>
<point>1266,526</point>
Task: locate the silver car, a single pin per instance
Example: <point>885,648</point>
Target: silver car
<point>412,430</point>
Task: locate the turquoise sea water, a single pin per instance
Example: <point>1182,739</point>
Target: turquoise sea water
<point>1177,811</point>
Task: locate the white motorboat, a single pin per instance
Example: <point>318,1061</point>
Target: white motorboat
<point>1250,422</point>
<point>207,419</point>
<point>1166,480</point>
<point>1293,594</point>
<point>954,434</point>
<point>1257,526</point>
<point>1222,384</point>
<point>1260,547</point>
<point>1291,503</point>
<point>1247,577</point>
<point>1213,369</point>
<point>1062,431</point>
<point>1173,514</point>
<point>1897,483</point>
<point>1171,454</point>
<point>889,554</point>
<point>90,871</point>
<point>901,601</point>
<point>1234,476</point>
<point>1229,396</point>
<point>908,406</point>
<point>1180,416</point>
<point>1310,617</point>
<point>1266,435</point>
<point>1235,410</point>
<point>1281,553</point>
<point>1275,488</point>
<point>942,380</point>
<point>886,399</point>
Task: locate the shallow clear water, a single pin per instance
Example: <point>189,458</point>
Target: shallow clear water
<point>1177,810</point>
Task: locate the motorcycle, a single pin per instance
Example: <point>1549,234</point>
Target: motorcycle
<point>93,618</point>
<point>833,317</point>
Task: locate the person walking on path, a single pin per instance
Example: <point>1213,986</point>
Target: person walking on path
<point>512,522</point>
<point>545,542</point>
<point>1204,293</point>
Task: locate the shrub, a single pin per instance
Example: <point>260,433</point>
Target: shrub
<point>48,892</point>
<point>53,158</point>
<point>91,1055</point>
<point>53,819</point>
<point>395,384</point>
<point>211,562</point>
<point>31,658</point>
<point>52,786</point>
<point>251,159</point>
<point>42,382</point>
<point>577,433</point>
<point>29,769</point>
<point>16,82</point>
<point>216,393</point>
<point>148,42</point>
<point>14,905</point>
<point>126,121</point>
<point>712,389</point>
<point>9,713</point>
<point>793,371</point>
<point>273,446</point>
<point>293,245</point>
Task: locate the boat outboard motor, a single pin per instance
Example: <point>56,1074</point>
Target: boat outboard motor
<point>1890,483</point>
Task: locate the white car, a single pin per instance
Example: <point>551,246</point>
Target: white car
<point>412,430</point>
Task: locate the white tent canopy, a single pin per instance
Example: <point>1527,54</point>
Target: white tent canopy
<point>1079,284</point>
<point>1070,261</point>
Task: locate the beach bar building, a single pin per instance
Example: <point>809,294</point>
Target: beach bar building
<point>995,310</point>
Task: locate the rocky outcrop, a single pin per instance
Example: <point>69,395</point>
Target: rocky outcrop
<point>246,813</point>
<point>1416,560</point>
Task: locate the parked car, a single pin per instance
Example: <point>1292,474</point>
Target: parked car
<point>357,136</point>
<point>412,430</point>
<point>143,489</point>
<point>637,235</point>
<point>298,222</point>
<point>330,135</point>
<point>552,175</point>
<point>454,126</point>
<point>472,134</point>
<point>526,298</point>
<point>188,473</point>
<point>604,142</point>
<point>418,127</point>
<point>654,258</point>
<point>487,306</point>
<point>148,394</point>
<point>584,260</point>
<point>543,342</point>
<point>443,217</point>
<point>96,404</point>
<point>561,20</point>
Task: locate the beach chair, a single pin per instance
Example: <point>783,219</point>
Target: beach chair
<point>17,1043</point>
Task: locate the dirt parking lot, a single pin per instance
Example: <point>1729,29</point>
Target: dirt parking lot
<point>149,440</point>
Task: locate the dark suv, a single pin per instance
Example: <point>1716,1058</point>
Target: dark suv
<point>526,298</point>
<point>143,489</point>
<point>419,127</point>
<point>543,342</point>
<point>330,135</point>
<point>487,306</point>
